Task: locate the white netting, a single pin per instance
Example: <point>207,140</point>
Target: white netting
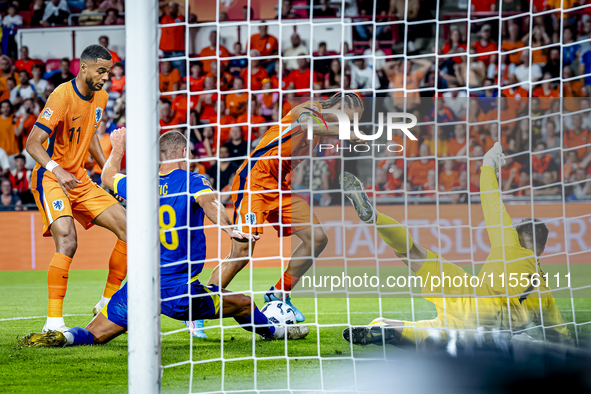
<point>432,188</point>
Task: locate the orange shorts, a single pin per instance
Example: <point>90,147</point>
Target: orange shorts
<point>85,202</point>
<point>255,206</point>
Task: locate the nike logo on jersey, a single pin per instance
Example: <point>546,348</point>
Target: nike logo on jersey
<point>73,119</point>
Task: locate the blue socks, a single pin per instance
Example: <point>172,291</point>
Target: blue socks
<point>259,320</point>
<point>77,336</point>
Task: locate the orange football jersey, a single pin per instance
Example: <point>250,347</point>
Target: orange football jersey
<point>71,120</point>
<point>285,149</point>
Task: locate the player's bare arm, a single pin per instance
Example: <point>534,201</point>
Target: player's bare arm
<point>216,212</point>
<point>112,167</point>
<point>96,151</point>
<point>35,142</point>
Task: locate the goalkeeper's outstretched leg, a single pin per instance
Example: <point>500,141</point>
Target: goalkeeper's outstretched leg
<point>424,263</point>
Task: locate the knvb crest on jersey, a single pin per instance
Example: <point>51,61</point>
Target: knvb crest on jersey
<point>98,115</point>
<point>58,205</point>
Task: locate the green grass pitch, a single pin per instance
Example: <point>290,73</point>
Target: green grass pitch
<point>103,369</point>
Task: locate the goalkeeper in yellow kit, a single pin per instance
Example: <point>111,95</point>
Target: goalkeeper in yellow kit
<point>491,302</point>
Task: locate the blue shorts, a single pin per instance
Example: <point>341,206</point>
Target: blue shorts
<point>205,303</point>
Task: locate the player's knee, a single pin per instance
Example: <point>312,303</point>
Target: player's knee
<point>320,240</point>
<point>67,243</point>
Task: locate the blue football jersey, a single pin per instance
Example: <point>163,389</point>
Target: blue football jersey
<point>175,246</point>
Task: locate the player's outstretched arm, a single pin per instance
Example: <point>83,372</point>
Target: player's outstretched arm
<point>35,148</point>
<point>498,222</point>
<point>216,212</point>
<point>322,125</point>
<point>112,167</point>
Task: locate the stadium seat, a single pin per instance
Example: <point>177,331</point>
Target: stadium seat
<point>27,16</point>
<point>75,66</point>
<point>52,64</point>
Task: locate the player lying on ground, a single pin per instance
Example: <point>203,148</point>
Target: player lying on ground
<point>281,149</point>
<point>177,281</point>
<point>512,251</point>
<point>60,141</point>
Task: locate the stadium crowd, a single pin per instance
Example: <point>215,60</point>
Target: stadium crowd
<point>237,93</point>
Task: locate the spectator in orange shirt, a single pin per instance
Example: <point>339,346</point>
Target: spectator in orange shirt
<point>225,77</point>
<point>237,103</point>
<point>510,171</point>
<point>485,44</point>
<point>168,117</point>
<point>255,118</point>
<point>179,104</point>
<point>430,184</point>
<point>475,163</point>
<point>7,130</point>
<point>457,146</point>
<point>25,62</point>
<point>256,75</point>
<point>263,42</point>
<point>104,42</point>
<point>546,93</point>
<point>577,137</point>
<point>418,169</point>
<point>513,43</point>
<point>448,177</point>
<point>442,142</point>
<point>170,79</point>
<point>118,79</point>
<point>25,122</point>
<point>385,181</point>
<point>210,51</point>
<point>300,78</point>
<point>572,90</point>
<point>207,100</point>
<point>172,39</point>
<point>196,76</point>
<point>542,163</point>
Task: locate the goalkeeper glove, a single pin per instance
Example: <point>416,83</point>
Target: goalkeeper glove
<point>494,157</point>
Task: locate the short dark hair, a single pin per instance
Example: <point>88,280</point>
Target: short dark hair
<point>94,52</point>
<point>38,66</point>
<point>65,59</point>
<point>349,99</point>
<point>543,144</point>
<point>20,156</point>
<point>529,226</point>
<point>321,44</point>
<point>170,143</point>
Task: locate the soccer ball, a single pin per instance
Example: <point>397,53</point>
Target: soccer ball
<point>279,313</point>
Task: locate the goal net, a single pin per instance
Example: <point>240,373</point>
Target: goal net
<point>472,74</point>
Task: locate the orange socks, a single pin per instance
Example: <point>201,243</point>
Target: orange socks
<point>287,282</point>
<point>117,269</point>
<point>57,283</point>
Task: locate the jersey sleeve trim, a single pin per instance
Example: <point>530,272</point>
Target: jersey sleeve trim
<point>202,192</point>
<point>117,179</point>
<point>43,127</point>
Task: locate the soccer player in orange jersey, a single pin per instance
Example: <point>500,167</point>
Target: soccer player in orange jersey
<point>60,141</point>
<point>280,150</point>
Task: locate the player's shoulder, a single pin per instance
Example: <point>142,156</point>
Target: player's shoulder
<point>65,90</point>
<point>199,180</point>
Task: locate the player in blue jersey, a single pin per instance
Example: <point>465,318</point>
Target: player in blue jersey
<point>176,280</point>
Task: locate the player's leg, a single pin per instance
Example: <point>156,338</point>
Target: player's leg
<point>206,303</point>
<point>100,208</point>
<point>107,325</point>
<point>390,230</point>
<point>63,231</point>
<point>238,258</point>
<point>56,211</point>
<point>296,213</point>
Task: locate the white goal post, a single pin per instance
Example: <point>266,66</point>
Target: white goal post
<point>143,201</point>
